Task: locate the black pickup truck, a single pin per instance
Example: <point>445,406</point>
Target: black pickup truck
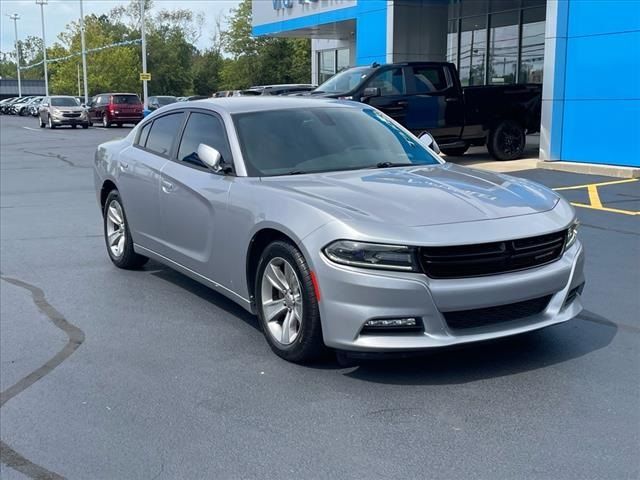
<point>428,97</point>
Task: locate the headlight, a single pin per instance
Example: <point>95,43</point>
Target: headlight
<point>572,235</point>
<point>372,255</point>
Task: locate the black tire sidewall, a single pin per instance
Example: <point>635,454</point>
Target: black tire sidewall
<point>309,344</point>
<point>494,148</point>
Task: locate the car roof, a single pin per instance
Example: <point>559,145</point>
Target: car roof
<point>233,105</point>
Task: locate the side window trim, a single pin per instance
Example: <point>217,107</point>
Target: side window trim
<point>217,116</point>
<point>174,144</point>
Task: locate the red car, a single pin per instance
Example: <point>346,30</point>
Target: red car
<point>115,109</point>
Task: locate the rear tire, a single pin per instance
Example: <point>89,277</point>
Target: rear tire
<point>85,126</point>
<point>455,152</point>
<point>118,236</point>
<point>507,140</point>
<point>294,297</point>
<point>105,121</point>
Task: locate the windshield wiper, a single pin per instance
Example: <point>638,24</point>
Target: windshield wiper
<point>391,164</point>
<point>297,172</point>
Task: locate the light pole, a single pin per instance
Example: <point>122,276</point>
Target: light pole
<point>84,56</point>
<point>144,56</point>
<point>42,3</point>
<point>15,17</point>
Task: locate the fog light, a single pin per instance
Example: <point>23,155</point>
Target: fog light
<point>391,323</point>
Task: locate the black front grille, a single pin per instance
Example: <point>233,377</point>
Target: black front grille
<point>491,258</point>
<point>481,317</point>
<point>71,115</point>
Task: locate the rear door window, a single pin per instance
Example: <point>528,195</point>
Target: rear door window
<point>429,79</point>
<point>163,133</point>
<point>207,129</point>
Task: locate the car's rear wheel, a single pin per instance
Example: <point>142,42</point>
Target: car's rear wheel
<point>105,121</point>
<point>507,140</point>
<point>117,235</point>
<point>288,304</point>
<point>51,124</point>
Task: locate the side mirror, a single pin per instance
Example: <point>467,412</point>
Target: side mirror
<point>428,141</point>
<point>210,157</point>
<point>371,92</point>
<point>44,104</point>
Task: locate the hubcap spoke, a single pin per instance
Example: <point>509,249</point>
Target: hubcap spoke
<point>114,215</point>
<point>286,327</point>
<point>276,278</point>
<point>273,309</point>
<point>114,238</point>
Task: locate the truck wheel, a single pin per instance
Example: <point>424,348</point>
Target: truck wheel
<point>454,152</point>
<point>506,140</point>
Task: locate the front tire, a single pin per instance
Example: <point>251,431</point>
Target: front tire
<point>507,140</point>
<point>40,122</point>
<point>51,124</point>
<point>117,235</point>
<point>287,304</point>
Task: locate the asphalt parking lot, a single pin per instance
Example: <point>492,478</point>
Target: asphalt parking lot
<point>111,374</point>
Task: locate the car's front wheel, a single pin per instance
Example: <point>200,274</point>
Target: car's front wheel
<point>51,124</point>
<point>40,122</point>
<point>117,235</point>
<point>288,304</point>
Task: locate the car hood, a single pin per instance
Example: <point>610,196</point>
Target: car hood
<point>418,196</point>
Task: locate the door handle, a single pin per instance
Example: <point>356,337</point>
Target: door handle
<point>167,187</point>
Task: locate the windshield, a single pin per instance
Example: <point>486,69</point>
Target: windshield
<point>126,100</point>
<point>325,139</point>
<point>345,81</point>
<point>64,102</point>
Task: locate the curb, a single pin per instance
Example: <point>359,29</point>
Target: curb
<point>591,168</point>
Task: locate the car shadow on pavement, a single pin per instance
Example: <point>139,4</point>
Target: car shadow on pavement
<point>527,352</point>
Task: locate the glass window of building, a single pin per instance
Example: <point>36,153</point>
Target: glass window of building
<point>326,65</point>
<point>342,59</point>
<point>452,42</point>
<point>532,56</point>
<point>503,47</point>
<point>473,50</point>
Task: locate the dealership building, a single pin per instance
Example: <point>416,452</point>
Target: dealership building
<point>586,54</point>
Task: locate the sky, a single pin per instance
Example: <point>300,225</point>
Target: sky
<point>60,12</point>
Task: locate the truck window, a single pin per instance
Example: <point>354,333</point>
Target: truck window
<point>390,82</point>
<point>429,79</point>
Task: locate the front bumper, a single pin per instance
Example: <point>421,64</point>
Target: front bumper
<point>351,296</point>
<point>70,120</point>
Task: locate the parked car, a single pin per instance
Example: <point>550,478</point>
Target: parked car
<point>58,110</point>
<point>337,226</point>
<point>160,101</point>
<point>33,106</point>
<point>429,97</point>
<point>15,107</point>
<point>4,104</point>
<point>284,89</point>
<point>115,109</point>
<point>195,97</point>
<point>25,108</point>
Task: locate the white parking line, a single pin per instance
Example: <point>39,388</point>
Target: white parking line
<point>34,129</point>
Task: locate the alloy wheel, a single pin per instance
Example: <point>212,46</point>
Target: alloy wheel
<point>281,301</point>
<point>116,231</point>
<point>105,121</point>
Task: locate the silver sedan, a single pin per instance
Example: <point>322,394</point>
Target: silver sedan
<point>337,227</point>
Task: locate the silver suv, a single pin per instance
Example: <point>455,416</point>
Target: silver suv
<point>55,111</point>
